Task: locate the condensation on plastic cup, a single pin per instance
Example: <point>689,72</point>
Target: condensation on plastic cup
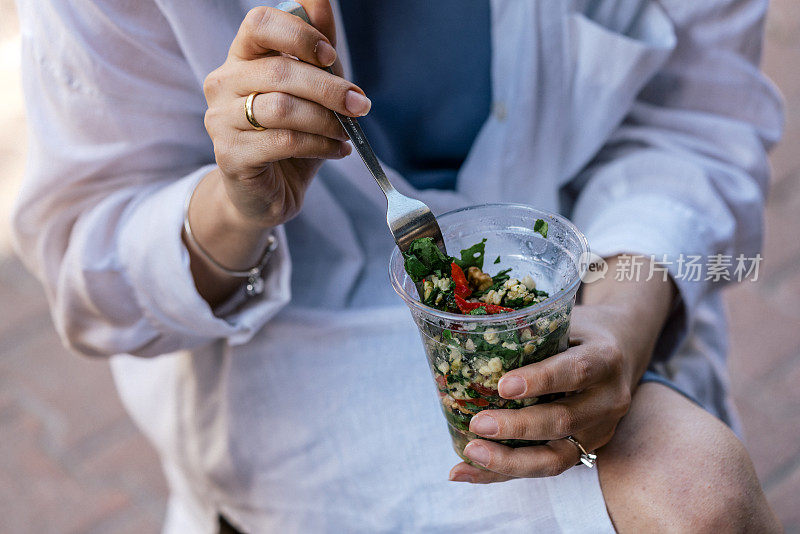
<point>593,267</point>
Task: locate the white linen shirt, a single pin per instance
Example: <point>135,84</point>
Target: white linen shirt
<point>310,408</point>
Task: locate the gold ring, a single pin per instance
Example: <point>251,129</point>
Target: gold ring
<point>248,111</point>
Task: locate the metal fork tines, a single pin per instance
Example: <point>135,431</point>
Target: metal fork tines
<point>408,218</point>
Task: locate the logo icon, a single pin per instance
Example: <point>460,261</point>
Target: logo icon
<point>593,267</point>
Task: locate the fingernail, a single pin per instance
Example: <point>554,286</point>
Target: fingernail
<point>326,54</point>
<point>484,425</point>
<point>356,103</point>
<point>345,149</point>
<point>461,478</point>
<point>477,453</point>
<point>511,386</point>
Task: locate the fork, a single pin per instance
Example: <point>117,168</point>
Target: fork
<point>408,218</point>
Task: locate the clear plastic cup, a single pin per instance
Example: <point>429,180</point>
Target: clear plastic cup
<point>468,354</point>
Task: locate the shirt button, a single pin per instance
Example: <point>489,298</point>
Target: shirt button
<point>499,111</point>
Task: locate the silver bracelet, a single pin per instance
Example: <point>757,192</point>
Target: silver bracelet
<point>255,282</point>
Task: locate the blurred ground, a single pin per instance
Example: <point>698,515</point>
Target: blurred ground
<point>71,460</point>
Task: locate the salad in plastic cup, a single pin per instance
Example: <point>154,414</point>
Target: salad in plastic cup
<point>502,302</point>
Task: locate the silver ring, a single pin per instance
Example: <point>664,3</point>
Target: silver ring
<point>589,459</point>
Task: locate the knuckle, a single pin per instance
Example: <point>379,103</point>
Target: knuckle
<point>499,463</point>
<point>510,426</point>
<point>299,36</point>
<point>214,120</point>
<point>623,402</point>
<point>209,120</point>
<point>225,150</point>
<point>546,378</point>
<point>559,465</point>
<point>256,19</point>
<point>223,156</point>
<point>212,84</point>
<point>333,89</point>
<point>607,436</point>
<point>286,138</point>
<point>564,422</point>
<point>610,351</point>
<point>330,147</point>
<point>279,106</point>
<point>609,356</point>
<point>582,369</point>
<point>278,71</point>
<point>554,466</point>
<point>615,365</point>
<point>616,356</point>
<point>604,349</point>
<point>334,128</point>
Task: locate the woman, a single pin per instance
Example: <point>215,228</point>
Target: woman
<point>307,407</point>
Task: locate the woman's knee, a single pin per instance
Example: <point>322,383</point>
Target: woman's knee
<point>674,466</point>
<point>726,493</point>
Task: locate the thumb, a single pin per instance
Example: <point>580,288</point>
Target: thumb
<point>321,14</point>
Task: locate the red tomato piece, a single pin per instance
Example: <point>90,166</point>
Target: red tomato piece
<point>467,307</point>
<point>477,402</point>
<point>483,390</point>
<point>462,286</point>
<point>494,308</point>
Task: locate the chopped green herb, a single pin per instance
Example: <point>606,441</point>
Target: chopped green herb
<point>497,260</point>
<point>501,277</point>
<point>514,303</point>
<point>510,336</point>
<point>456,379</point>
<point>415,268</point>
<point>472,256</point>
<point>424,258</point>
<point>540,226</point>
<point>425,263</point>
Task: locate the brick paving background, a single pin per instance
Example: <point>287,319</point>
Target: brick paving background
<point>72,461</point>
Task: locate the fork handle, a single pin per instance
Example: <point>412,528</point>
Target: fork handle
<point>350,124</point>
<point>364,150</point>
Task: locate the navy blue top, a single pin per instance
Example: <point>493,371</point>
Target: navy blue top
<point>425,64</point>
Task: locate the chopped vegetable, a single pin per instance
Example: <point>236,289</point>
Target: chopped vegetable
<point>476,402</point>
<point>479,279</point>
<point>424,258</point>
<point>467,365</point>
<point>540,226</point>
<point>444,285</point>
<point>472,256</point>
<point>468,359</point>
<point>493,308</point>
<point>462,286</point>
<point>489,392</point>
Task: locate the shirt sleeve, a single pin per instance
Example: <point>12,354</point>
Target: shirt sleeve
<point>117,143</point>
<point>686,173</point>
